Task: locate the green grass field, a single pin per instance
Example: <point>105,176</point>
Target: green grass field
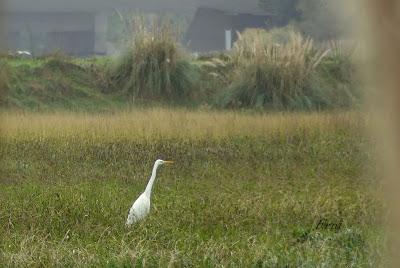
<point>247,190</point>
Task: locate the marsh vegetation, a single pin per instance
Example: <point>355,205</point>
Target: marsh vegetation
<point>246,189</point>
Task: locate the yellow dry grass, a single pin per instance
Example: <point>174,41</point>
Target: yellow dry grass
<point>170,123</point>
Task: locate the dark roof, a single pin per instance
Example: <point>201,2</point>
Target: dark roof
<point>207,30</point>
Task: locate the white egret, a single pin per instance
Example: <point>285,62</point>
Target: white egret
<point>141,208</point>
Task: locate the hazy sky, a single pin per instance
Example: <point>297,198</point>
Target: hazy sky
<point>250,6</point>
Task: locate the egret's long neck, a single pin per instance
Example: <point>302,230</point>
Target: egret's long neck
<point>149,186</point>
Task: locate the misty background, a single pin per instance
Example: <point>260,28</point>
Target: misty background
<point>99,27</point>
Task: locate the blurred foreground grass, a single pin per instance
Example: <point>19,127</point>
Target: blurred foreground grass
<point>246,190</point>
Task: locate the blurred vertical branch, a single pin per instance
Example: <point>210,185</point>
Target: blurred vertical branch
<point>384,69</point>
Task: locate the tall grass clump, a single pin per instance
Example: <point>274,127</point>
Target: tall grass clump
<point>215,74</point>
<point>340,73</point>
<point>277,75</point>
<point>155,67</point>
<point>4,80</point>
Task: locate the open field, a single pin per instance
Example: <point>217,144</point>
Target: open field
<point>278,190</point>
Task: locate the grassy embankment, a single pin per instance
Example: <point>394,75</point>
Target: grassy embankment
<point>246,190</point>
<point>56,83</point>
<point>261,72</point>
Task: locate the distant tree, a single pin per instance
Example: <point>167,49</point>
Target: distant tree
<point>315,18</point>
<point>283,11</point>
<point>318,19</point>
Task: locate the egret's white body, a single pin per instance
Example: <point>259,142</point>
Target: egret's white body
<point>141,207</point>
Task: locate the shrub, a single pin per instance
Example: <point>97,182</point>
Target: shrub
<point>155,67</point>
<point>215,73</point>
<point>339,73</point>
<point>278,75</point>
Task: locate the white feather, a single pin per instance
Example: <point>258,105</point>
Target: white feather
<point>141,207</point>
<point>139,210</point>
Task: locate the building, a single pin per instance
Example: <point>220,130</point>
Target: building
<point>79,27</point>
<point>74,27</point>
<point>216,30</point>
<point>74,33</point>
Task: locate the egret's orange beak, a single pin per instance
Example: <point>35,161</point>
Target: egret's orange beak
<point>169,162</point>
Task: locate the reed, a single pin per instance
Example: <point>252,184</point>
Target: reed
<point>155,67</point>
<point>278,75</point>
